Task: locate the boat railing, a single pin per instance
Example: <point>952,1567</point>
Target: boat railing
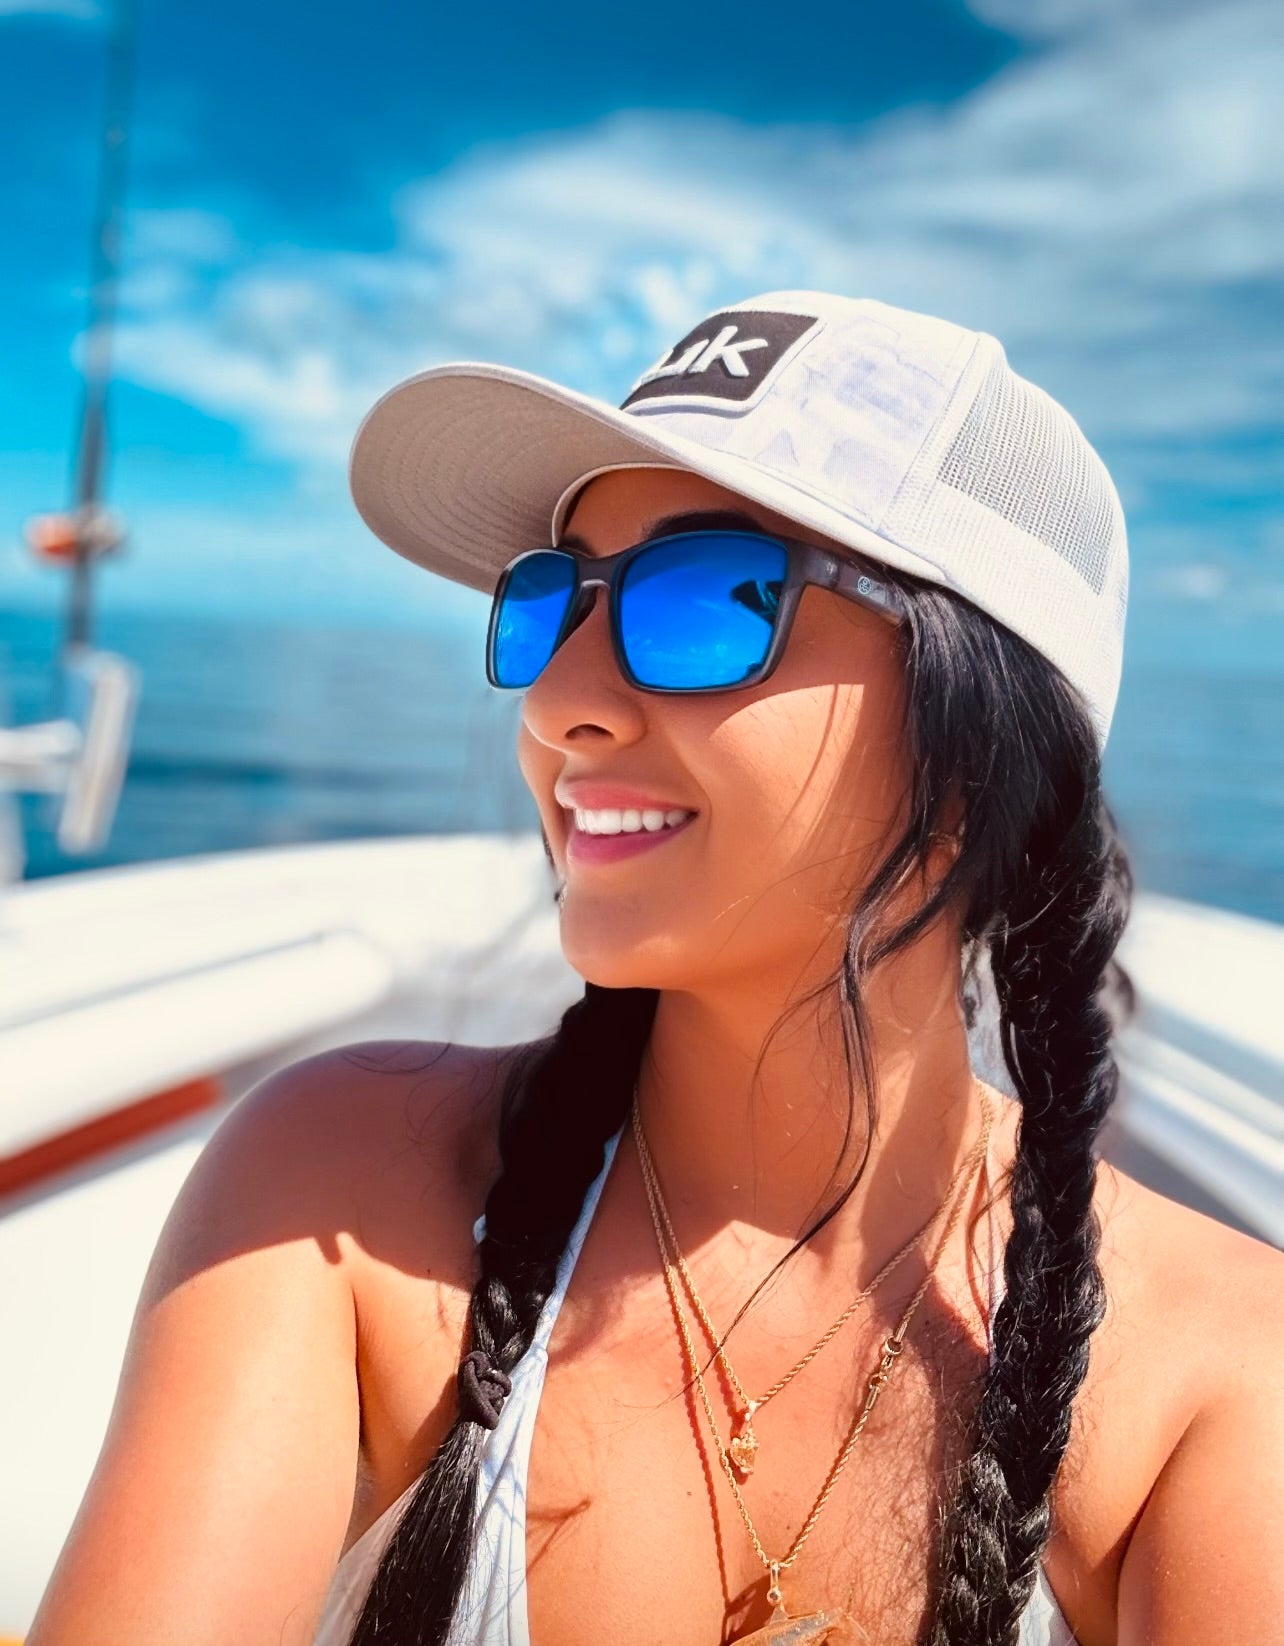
<point>80,754</point>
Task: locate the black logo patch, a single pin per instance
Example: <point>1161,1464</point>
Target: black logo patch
<point>725,361</point>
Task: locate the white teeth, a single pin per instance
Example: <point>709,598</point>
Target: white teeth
<point>612,821</point>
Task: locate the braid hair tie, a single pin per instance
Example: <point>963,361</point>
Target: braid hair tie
<point>482,1389</point>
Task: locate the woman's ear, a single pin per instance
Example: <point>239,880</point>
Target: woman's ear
<point>926,875</point>
<point>945,841</point>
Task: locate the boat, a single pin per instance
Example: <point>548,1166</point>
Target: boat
<point>140,1003</point>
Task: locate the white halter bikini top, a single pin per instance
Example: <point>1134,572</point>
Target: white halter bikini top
<point>492,1608</point>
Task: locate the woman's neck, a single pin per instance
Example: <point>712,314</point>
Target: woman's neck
<point>769,1155</point>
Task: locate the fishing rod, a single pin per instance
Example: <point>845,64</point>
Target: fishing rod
<point>82,753</point>
<point>88,531</point>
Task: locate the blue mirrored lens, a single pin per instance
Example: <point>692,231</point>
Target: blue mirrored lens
<point>699,612</point>
<point>530,616</point>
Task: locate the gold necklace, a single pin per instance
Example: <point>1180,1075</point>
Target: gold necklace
<point>781,1629</point>
<point>744,1445</point>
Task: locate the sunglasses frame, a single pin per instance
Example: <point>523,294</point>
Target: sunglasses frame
<point>806,564</point>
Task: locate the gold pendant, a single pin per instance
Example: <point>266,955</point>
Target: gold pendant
<point>743,1450</point>
<point>780,1630</point>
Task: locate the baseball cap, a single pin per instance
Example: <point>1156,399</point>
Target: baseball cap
<point>903,436</point>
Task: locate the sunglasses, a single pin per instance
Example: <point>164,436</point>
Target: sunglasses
<point>697,611</point>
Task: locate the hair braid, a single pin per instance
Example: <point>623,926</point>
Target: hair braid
<point>564,1098</point>
<point>1051,959</point>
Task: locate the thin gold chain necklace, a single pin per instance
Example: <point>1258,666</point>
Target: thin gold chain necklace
<point>781,1629</point>
<point>744,1445</point>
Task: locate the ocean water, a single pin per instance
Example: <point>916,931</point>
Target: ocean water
<point>248,735</point>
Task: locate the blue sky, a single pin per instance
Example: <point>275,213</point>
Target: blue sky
<point>326,198</point>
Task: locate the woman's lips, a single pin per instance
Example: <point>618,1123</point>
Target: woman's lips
<point>607,848</point>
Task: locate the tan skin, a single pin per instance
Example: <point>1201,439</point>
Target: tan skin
<point>222,1500</point>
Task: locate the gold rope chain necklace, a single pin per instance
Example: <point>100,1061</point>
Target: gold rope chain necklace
<point>745,1444</point>
<point>781,1629</point>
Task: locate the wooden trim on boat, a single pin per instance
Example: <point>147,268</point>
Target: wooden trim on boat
<point>104,1133</point>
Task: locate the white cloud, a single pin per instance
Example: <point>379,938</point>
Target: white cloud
<point>297,386</point>
<point>1111,207</point>
<point>1196,582</point>
<point>187,235</point>
<point>1047,19</point>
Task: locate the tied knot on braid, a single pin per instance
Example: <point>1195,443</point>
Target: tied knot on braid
<point>482,1389</point>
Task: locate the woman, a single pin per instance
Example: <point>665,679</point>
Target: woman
<point>849,1345</point>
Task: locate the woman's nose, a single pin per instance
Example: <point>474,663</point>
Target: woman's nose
<point>580,689</point>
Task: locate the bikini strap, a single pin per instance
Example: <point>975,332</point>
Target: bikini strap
<point>571,1251</point>
<point>574,1244</point>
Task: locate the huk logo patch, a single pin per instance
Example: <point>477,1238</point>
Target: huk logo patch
<point>726,362</point>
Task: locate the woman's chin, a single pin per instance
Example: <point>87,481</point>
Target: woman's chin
<point>615,952</point>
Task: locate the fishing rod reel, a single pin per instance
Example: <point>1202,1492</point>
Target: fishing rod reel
<point>81,754</point>
<point>91,532</point>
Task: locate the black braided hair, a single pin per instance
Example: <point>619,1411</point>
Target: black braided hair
<point>1051,955</point>
<point>1003,754</point>
<point>564,1098</point>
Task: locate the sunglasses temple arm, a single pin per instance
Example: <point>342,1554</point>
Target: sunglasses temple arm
<point>880,597</point>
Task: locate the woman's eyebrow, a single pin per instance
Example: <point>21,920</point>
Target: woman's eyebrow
<point>688,521</point>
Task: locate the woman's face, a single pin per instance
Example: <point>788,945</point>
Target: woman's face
<point>796,782</point>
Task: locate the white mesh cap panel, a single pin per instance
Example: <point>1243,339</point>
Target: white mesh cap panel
<point>1021,455</point>
<point>1010,499</point>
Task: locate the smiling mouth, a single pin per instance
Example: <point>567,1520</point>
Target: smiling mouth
<point>609,844</point>
<point>630,820</point>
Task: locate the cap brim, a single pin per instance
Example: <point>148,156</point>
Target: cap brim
<point>460,468</point>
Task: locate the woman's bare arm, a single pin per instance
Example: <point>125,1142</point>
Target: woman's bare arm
<point>1204,1564</point>
<point>220,1500</point>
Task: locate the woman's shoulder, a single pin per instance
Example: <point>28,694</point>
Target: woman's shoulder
<point>1187,1277</point>
<point>1182,1290</point>
<point>1189,1299</point>
<point>1180,1385</point>
<point>410,1123</point>
<point>1175,1278</point>
<point>410,1131</point>
<point>401,1143</point>
<point>1180,1287</point>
